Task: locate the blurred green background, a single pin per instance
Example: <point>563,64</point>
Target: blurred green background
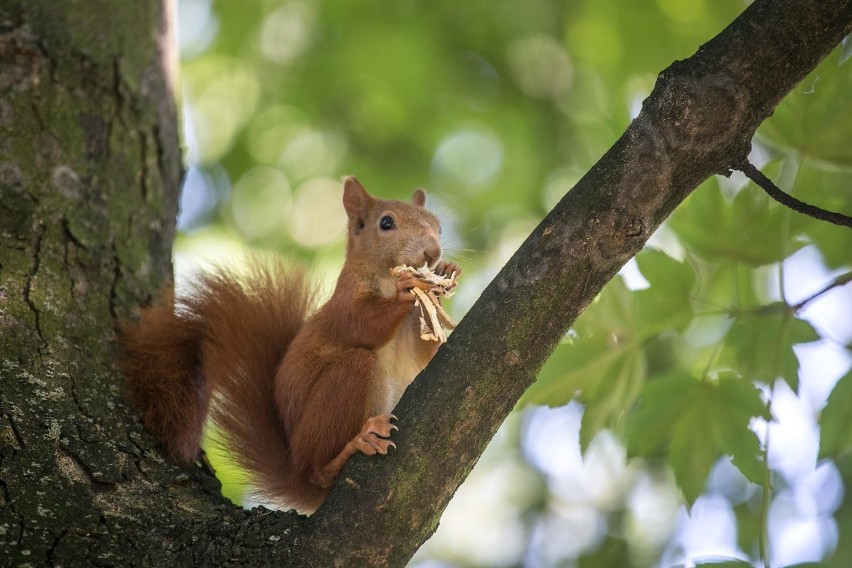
<point>696,379</point>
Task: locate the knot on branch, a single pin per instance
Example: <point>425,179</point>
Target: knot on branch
<point>702,114</point>
<point>632,226</point>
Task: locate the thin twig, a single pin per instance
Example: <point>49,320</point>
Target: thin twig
<point>775,193</point>
<point>841,280</point>
<point>776,308</point>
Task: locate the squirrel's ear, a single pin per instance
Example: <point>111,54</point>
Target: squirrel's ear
<point>356,200</point>
<point>419,198</point>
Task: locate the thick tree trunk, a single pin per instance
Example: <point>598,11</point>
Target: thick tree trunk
<point>89,170</point>
<point>89,174</point>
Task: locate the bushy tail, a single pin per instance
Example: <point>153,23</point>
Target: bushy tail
<point>251,323</point>
<point>225,337</point>
<point>161,359</point>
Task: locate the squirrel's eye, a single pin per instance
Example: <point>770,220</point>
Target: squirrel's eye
<point>387,223</point>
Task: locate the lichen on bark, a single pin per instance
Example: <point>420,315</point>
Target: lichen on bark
<point>88,121</point>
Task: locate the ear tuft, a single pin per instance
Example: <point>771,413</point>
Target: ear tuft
<point>419,197</point>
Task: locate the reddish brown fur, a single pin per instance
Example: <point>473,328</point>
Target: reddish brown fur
<point>292,398</point>
<point>229,334</point>
<point>161,356</point>
<point>251,328</point>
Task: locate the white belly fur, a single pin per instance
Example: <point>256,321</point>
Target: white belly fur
<point>399,362</point>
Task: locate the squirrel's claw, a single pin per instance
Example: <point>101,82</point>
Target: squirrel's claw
<point>446,268</point>
<point>373,437</point>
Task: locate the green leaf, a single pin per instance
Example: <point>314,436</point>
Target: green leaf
<point>806,118</point>
<point>762,344</point>
<point>727,284</point>
<point>744,402</point>
<point>667,352</point>
<point>819,184</point>
<point>741,394</point>
<point>585,367</point>
<point>603,365</point>
<point>692,452</point>
<point>700,221</point>
<point>760,227</point>
<point>749,525</point>
<point>665,305</point>
<point>662,402</point>
<point>592,360</point>
<point>611,552</point>
<point>659,269</point>
<point>753,229</point>
<point>699,420</point>
<point>605,406</point>
<point>836,420</point>
<point>843,516</point>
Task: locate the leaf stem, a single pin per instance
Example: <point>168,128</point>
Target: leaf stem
<point>713,358</point>
<point>778,307</point>
<point>841,280</point>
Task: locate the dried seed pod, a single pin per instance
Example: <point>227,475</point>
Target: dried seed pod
<point>433,319</point>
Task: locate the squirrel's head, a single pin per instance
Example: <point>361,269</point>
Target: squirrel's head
<point>389,233</point>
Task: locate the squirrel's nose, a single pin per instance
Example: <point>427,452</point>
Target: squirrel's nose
<point>433,255</point>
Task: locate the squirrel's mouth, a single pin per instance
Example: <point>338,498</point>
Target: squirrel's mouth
<point>418,259</point>
<point>423,260</point>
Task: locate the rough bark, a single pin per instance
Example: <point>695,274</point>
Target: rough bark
<point>89,170</point>
<point>89,173</point>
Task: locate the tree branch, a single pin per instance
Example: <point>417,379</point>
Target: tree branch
<point>775,193</point>
<point>678,140</point>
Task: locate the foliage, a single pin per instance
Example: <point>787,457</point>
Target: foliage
<point>497,108</point>
<point>696,421</point>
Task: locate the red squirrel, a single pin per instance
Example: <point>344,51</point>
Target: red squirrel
<point>294,394</point>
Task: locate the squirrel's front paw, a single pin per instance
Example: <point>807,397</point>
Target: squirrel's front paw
<point>447,268</point>
<point>405,282</point>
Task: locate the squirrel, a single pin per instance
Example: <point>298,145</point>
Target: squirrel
<point>294,392</point>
